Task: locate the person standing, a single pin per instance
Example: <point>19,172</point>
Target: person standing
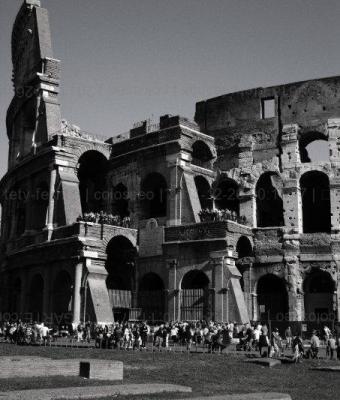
<point>289,337</point>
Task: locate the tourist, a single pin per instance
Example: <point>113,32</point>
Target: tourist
<point>331,346</point>
<point>298,350</point>
<point>264,342</point>
<point>288,337</point>
<point>314,345</point>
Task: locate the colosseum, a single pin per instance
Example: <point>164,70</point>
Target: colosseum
<point>230,217</point>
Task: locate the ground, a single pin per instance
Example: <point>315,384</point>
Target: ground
<point>207,374</point>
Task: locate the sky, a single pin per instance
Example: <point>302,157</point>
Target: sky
<point>124,61</point>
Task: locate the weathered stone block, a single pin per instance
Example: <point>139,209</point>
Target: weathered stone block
<point>101,369</point>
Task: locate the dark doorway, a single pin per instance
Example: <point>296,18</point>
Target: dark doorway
<point>269,204</point>
<point>92,172</point>
<point>204,193</point>
<point>319,291</point>
<point>120,201</point>
<point>272,298</point>
<point>316,207</point>
<point>62,297</point>
<point>226,196</point>
<point>195,304</point>
<point>154,196</point>
<point>151,297</point>
<point>36,298</point>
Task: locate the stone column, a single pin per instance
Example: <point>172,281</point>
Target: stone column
<point>173,294</point>
<point>220,286</point>
<point>292,205</point>
<point>333,132</point>
<point>248,206</point>
<point>254,310</point>
<point>50,212</point>
<point>173,206</point>
<point>78,271</point>
<point>295,291</point>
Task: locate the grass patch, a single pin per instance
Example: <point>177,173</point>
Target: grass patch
<point>207,374</point>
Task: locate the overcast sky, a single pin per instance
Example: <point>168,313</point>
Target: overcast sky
<point>127,60</point>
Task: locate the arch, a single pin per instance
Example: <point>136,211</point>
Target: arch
<point>154,196</point>
<point>269,204</point>
<point>151,297</point>
<point>319,290</point>
<point>244,249</point>
<point>120,281</point>
<point>195,279</point>
<point>313,147</point>
<point>62,297</point>
<point>204,192</point>
<point>40,206</point>
<point>195,296</point>
<point>316,207</point>
<point>201,154</point>
<point>227,195</point>
<point>36,297</point>
<point>272,297</point>
<point>92,170</point>
<point>120,204</point>
<point>120,256</point>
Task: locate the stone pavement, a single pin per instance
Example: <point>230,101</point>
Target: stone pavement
<point>264,362</point>
<point>334,368</point>
<point>247,396</point>
<point>94,392</point>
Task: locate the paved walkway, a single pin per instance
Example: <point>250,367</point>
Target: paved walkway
<point>93,392</point>
<point>248,396</point>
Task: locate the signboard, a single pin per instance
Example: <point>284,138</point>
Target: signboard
<point>262,308</point>
<point>304,327</point>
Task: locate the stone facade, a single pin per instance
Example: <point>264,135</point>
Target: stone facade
<point>224,218</point>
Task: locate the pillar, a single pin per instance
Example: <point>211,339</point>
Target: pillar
<point>76,292</point>
<point>220,287</point>
<point>50,211</point>
<point>295,291</point>
<point>173,293</point>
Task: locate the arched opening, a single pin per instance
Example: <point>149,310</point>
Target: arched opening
<point>151,297</point>
<point>195,296</point>
<point>316,206</point>
<point>319,290</point>
<point>62,298</point>
<point>204,192</point>
<point>18,198</point>
<point>313,147</point>
<point>272,298</point>
<point>201,154</point>
<point>227,196</point>
<point>36,297</point>
<point>120,201</point>
<point>154,196</point>
<point>269,204</point>
<point>92,170</point>
<point>40,206</point>
<point>120,281</point>
<point>244,250</point>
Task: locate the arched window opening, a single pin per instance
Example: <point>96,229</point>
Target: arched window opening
<point>201,154</point>
<point>269,204</point>
<point>316,208</point>
<point>120,201</point>
<point>120,281</point>
<point>244,250</point>
<point>36,296</point>
<point>40,206</point>
<point>204,192</point>
<point>92,170</point>
<point>151,297</point>
<point>319,291</point>
<point>227,196</point>
<point>62,297</point>
<point>195,300</point>
<point>154,196</point>
<point>244,247</point>
<point>272,298</point>
<point>313,147</point>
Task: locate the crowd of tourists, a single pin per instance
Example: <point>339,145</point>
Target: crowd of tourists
<point>212,336</point>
